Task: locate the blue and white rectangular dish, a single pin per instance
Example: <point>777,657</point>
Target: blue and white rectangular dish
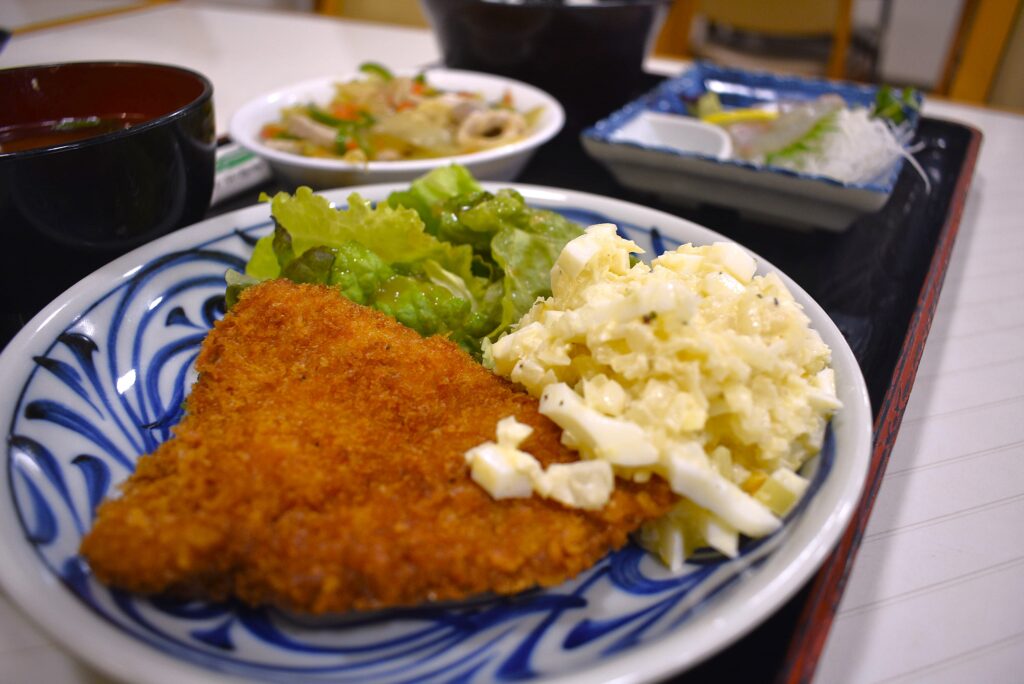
<point>631,144</point>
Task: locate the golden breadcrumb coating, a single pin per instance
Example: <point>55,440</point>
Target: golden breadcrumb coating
<point>319,468</point>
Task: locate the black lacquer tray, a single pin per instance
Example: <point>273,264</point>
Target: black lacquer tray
<point>879,281</point>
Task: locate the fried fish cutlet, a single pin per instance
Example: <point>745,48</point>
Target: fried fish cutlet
<point>319,468</point>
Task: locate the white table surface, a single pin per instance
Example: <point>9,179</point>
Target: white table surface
<point>935,594</point>
<point>15,14</point>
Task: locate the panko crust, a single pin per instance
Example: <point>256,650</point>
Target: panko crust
<point>320,468</point>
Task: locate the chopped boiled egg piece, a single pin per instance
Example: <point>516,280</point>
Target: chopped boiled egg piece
<point>666,538</point>
<point>734,259</point>
<point>596,250</point>
<point>689,473</point>
<point>781,490</point>
<point>721,536</point>
<point>501,468</point>
<point>506,472</point>
<point>578,253</point>
<point>605,395</point>
<point>583,484</point>
<point>620,442</point>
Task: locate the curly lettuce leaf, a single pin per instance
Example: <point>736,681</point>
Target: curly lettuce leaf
<point>236,284</point>
<point>480,213</point>
<point>475,272</point>
<point>393,234</point>
<point>522,241</point>
<point>526,260</point>
<point>377,256</point>
<point>461,223</point>
<point>312,266</point>
<point>427,308</point>
<point>427,193</point>
<point>358,272</point>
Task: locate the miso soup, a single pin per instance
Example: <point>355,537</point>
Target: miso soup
<point>36,135</point>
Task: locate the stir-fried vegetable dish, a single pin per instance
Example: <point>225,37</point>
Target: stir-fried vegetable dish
<point>384,117</point>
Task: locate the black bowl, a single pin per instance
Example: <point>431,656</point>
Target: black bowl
<point>113,190</point>
<point>589,56</point>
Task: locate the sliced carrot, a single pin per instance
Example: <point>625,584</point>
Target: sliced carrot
<point>346,111</point>
<point>271,130</point>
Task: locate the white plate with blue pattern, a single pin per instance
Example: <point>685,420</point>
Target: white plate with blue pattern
<point>98,377</point>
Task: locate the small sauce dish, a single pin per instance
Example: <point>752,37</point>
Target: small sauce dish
<point>677,133</point>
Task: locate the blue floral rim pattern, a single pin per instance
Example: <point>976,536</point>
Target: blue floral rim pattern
<point>101,394</point>
<point>739,88</point>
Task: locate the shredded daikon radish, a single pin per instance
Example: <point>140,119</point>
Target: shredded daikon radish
<point>856,148</point>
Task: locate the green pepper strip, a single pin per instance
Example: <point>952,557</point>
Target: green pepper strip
<point>355,131</point>
<point>375,69</point>
<point>347,130</point>
<point>319,115</point>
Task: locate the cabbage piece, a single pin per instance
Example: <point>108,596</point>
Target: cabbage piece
<point>425,128</point>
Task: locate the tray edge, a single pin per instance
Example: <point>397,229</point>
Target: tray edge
<point>827,587</point>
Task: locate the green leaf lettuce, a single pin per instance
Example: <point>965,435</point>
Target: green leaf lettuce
<point>442,257</point>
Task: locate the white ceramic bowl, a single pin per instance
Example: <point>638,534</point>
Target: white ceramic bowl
<point>499,164</point>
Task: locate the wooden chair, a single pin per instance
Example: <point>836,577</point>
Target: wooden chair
<point>780,19</point>
<point>403,12</point>
<point>71,16</point>
<point>976,56</point>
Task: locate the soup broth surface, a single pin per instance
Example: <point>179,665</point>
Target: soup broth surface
<point>37,135</point>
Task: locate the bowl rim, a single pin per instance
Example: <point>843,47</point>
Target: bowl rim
<point>149,124</point>
<point>248,139</point>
